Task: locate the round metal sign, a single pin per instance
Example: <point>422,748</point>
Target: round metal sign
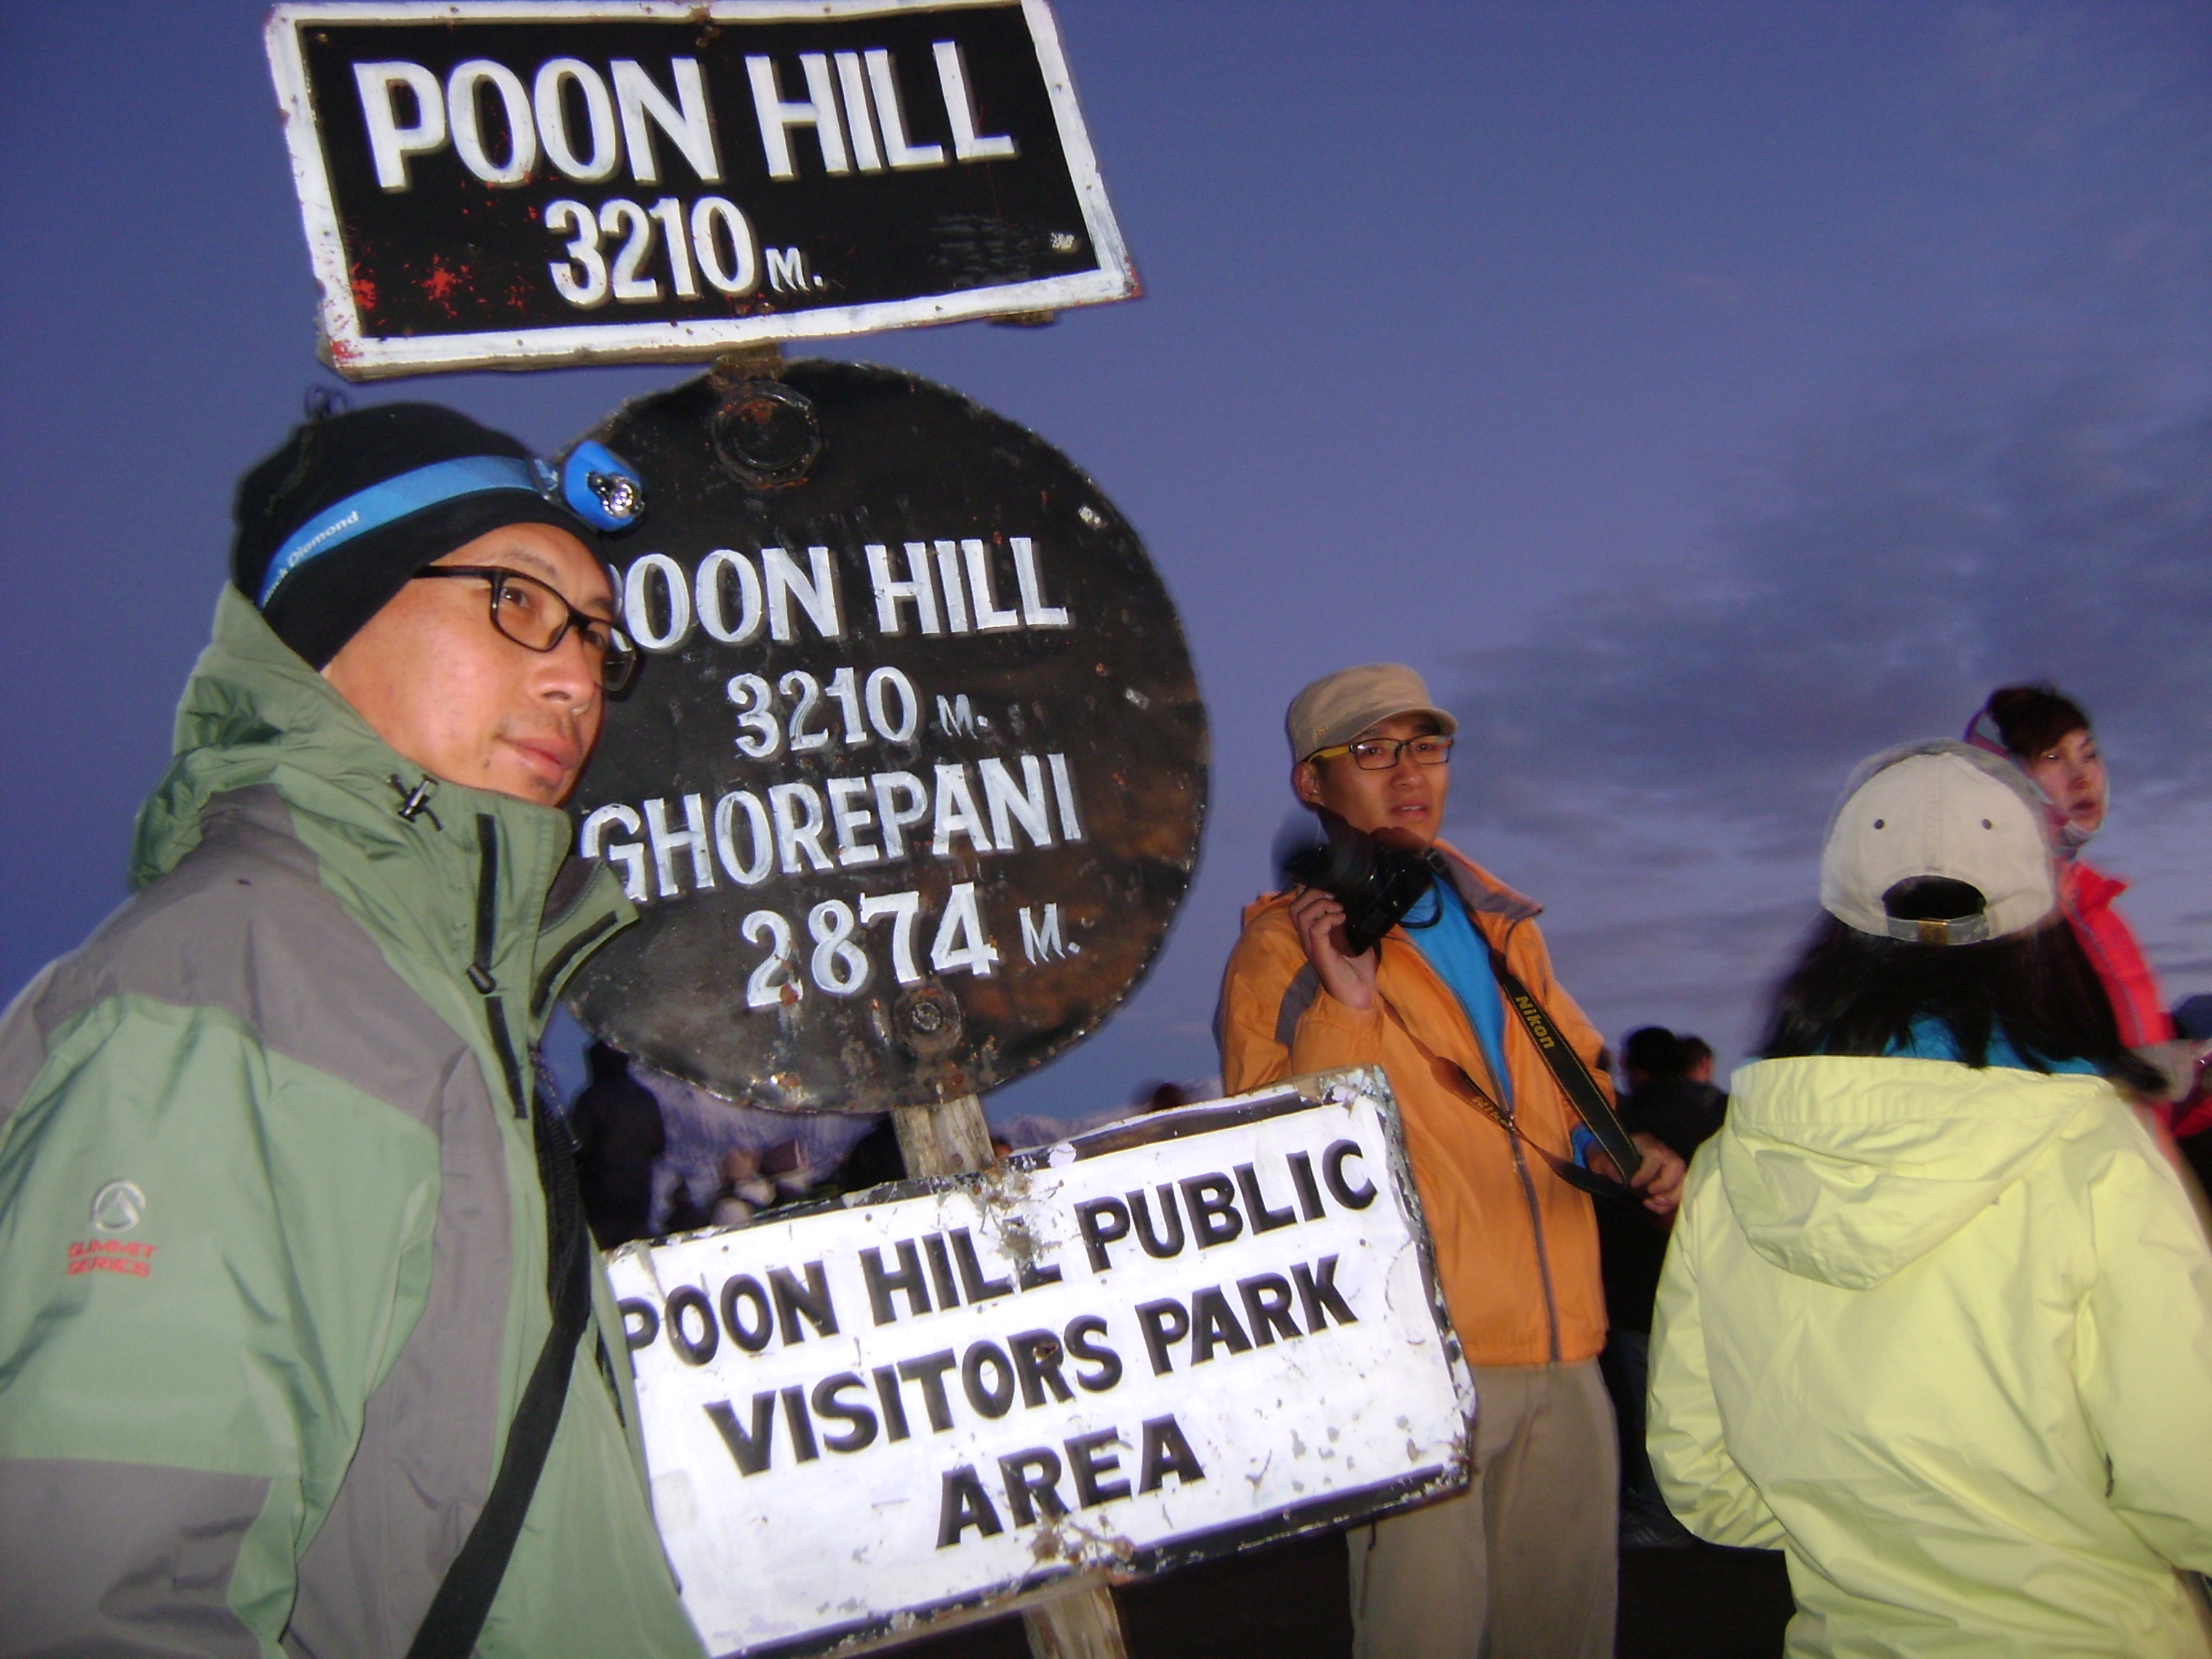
<point>908,783</point>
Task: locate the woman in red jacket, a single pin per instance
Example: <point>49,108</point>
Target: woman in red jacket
<point>2048,736</point>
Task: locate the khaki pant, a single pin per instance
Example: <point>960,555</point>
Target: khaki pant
<point>1520,1567</point>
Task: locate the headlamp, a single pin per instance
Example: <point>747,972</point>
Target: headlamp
<point>601,488</point>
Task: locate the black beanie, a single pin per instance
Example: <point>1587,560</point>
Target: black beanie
<point>301,495</point>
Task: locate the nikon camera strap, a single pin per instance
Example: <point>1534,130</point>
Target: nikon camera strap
<point>1574,1076</point>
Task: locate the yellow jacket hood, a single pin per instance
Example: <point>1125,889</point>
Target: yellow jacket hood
<point>1845,1170</point>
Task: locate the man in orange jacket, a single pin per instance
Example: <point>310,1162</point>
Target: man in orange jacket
<point>1525,1557</point>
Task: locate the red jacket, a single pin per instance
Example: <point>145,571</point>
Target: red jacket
<point>2087,895</point>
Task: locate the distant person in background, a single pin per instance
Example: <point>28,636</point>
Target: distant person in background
<point>1674,1098</point>
<point>1696,1058</point>
<point>1936,1321</point>
<point>618,1132</point>
<point>2048,735</point>
<point>745,1191</point>
<point>873,1160</point>
<point>796,1153</point>
<point>1162,1098</point>
<point>1662,1099</point>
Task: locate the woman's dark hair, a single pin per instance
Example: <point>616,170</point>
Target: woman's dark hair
<point>2032,718</point>
<point>1853,993</point>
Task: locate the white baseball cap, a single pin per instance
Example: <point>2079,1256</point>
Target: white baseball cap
<point>1946,810</point>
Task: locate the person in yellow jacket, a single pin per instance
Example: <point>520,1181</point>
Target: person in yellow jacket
<point>1523,1563</point>
<point>1937,1318</point>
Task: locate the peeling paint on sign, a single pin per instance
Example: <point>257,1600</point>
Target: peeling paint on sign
<point>1178,1338</point>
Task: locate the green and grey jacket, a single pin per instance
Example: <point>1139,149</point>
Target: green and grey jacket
<point>273,1242</point>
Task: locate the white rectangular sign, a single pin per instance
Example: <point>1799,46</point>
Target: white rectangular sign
<point>1176,1338</point>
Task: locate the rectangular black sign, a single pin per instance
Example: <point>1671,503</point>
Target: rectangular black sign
<point>505,185</point>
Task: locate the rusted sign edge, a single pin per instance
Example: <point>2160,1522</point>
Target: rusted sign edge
<point>360,356</point>
<point>999,1189</point>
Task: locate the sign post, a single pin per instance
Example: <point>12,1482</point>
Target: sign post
<point>1165,1342</point>
<point>907,791</point>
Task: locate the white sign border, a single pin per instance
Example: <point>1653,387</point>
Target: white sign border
<point>1320,1514</point>
<point>360,356</point>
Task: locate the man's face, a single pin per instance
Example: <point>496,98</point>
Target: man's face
<point>2072,773</point>
<point>441,684</point>
<point>1408,796</point>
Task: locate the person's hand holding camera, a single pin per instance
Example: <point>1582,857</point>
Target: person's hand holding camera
<point>1319,918</point>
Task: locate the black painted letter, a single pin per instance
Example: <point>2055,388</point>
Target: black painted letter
<point>1102,1221</point>
<point>813,1300</point>
<point>1032,1480</point>
<point>1167,1452</point>
<point>1164,1321</point>
<point>749,1449</point>
<point>1213,1217</point>
<point>1332,1171</point>
<point>1267,1305</point>
<point>1037,1355</point>
<point>965,1505</point>
<point>1086,1465</point>
<point>1212,1324</point>
<point>881,1285</point>
<point>1264,1220</point>
<point>826,1404</point>
<point>1317,1291</point>
<point>1081,1331</point>
<point>694,1351</point>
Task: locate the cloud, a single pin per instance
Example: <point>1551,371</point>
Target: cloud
<point>2092,118</point>
<point>2032,501</point>
<point>1984,525</point>
<point>1668,751</point>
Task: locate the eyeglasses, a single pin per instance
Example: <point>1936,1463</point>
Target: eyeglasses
<point>537,617</point>
<point>1381,754</point>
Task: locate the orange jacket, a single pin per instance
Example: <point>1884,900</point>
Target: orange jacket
<point>1516,1246</point>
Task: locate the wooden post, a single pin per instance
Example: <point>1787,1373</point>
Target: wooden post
<point>949,1138</point>
<point>953,1138</point>
<point>1081,1624</point>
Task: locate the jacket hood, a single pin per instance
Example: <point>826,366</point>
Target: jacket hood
<point>1846,1170</point>
<point>254,713</point>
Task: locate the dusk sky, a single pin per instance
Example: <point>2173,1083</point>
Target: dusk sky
<point>1702,396</point>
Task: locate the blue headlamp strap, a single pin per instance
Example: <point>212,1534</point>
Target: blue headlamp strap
<point>392,500</point>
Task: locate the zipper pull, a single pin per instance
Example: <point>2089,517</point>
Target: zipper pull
<point>416,802</point>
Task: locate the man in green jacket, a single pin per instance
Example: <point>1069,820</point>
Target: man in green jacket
<point>302,1346</point>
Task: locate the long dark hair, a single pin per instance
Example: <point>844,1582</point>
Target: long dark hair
<point>1853,993</point>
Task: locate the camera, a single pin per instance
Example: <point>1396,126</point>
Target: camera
<point>1375,879</point>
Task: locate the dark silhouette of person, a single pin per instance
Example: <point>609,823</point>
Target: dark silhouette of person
<point>1670,1095</point>
<point>619,1134</point>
